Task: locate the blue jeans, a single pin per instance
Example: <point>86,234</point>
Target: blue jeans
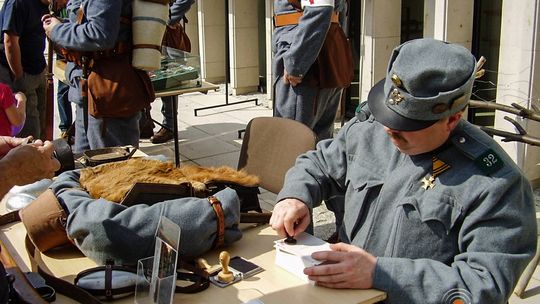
<point>105,132</point>
<point>64,106</point>
<point>167,111</point>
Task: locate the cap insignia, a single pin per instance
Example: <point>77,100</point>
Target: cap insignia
<point>395,97</point>
<point>396,80</point>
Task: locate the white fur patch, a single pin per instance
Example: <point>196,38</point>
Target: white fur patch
<point>306,3</point>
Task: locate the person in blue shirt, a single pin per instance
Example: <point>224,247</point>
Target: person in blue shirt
<point>22,64</point>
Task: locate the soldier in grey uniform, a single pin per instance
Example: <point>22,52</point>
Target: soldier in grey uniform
<point>296,48</point>
<point>101,29</point>
<point>434,209</point>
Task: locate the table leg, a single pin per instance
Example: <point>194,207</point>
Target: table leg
<point>175,131</point>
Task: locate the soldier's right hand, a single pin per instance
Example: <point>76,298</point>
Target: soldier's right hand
<point>290,217</point>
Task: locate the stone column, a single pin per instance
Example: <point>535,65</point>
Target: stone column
<point>449,20</point>
<point>244,46</point>
<point>269,28</point>
<point>192,28</point>
<point>211,17</point>
<point>381,24</point>
<point>519,78</point>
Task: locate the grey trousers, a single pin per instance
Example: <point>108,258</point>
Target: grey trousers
<point>34,87</point>
<point>314,107</point>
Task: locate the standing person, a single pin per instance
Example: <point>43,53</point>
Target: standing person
<point>177,12</point>
<point>12,111</point>
<point>102,27</point>
<point>22,64</point>
<point>434,208</point>
<point>299,35</point>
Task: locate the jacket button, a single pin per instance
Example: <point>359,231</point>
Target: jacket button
<point>462,140</point>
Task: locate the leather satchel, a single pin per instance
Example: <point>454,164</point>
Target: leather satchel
<point>116,89</point>
<point>176,37</point>
<point>333,68</point>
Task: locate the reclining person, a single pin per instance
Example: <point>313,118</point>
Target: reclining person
<point>433,207</point>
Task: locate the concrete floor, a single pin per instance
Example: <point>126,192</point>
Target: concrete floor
<point>211,139</point>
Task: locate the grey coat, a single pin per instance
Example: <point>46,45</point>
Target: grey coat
<point>105,230</point>
<point>295,49</point>
<point>474,230</point>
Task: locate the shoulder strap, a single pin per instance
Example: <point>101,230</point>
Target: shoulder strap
<point>296,4</point>
<point>61,286</point>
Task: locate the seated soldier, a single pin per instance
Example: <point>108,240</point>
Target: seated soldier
<point>433,206</point>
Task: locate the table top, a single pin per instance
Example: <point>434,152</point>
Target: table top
<point>60,66</point>
<point>273,285</point>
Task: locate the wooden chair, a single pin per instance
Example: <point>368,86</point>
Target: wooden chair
<point>271,146</point>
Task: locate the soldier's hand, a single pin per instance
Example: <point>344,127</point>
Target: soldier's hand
<point>292,80</point>
<point>346,266</point>
<point>49,22</point>
<point>290,216</point>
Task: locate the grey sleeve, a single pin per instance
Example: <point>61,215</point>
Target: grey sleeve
<point>318,174</point>
<point>178,10</point>
<point>497,240</point>
<point>105,230</point>
<point>308,39</point>
<point>99,32</point>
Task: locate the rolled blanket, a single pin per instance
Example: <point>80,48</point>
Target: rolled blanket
<point>105,230</point>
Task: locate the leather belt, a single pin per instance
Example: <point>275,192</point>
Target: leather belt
<point>218,209</point>
<point>9,218</point>
<point>293,18</point>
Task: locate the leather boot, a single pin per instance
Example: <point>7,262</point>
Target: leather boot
<point>161,136</point>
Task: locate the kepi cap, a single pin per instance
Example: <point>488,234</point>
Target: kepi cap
<point>427,80</point>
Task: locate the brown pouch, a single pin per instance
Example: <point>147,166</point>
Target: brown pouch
<point>45,222</point>
<point>117,89</point>
<point>176,37</point>
<point>333,68</point>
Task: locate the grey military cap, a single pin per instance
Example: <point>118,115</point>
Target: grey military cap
<point>427,80</point>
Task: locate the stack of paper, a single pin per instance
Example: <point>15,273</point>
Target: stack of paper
<point>295,257</point>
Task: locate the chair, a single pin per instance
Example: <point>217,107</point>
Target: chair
<point>271,146</point>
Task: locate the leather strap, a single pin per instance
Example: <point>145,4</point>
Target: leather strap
<point>9,218</point>
<point>147,46</point>
<point>293,18</point>
<point>61,286</point>
<point>218,209</point>
<point>109,292</point>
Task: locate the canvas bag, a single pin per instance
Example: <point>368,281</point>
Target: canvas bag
<point>117,89</point>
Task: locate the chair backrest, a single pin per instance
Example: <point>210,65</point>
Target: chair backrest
<point>271,146</point>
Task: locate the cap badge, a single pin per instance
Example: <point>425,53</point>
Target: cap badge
<point>395,97</point>
<point>396,80</point>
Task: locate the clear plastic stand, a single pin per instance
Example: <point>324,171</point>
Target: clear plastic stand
<point>157,275</point>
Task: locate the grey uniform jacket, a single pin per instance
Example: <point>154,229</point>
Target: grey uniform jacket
<point>104,230</point>
<point>297,46</point>
<point>474,230</point>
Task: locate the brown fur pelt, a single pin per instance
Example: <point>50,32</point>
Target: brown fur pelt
<point>113,180</point>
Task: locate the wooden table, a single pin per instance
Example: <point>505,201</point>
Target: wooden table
<point>273,285</point>
<point>59,73</point>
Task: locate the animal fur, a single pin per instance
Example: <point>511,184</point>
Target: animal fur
<point>113,180</point>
